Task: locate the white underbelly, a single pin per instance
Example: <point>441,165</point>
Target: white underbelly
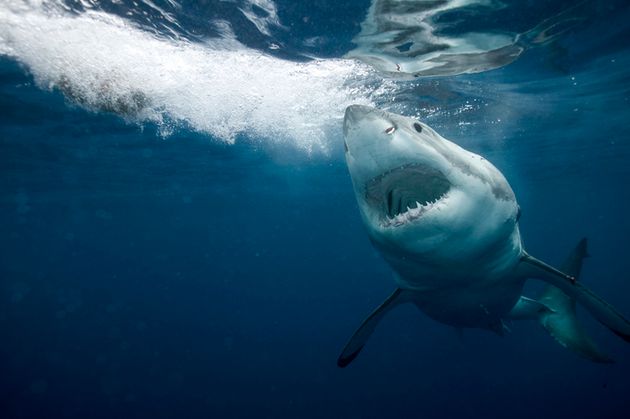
<point>474,305</point>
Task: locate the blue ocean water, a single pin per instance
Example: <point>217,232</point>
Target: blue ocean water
<point>178,232</point>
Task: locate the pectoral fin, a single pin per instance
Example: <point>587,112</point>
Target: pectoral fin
<point>362,334</point>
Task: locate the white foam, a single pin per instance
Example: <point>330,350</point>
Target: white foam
<point>220,87</point>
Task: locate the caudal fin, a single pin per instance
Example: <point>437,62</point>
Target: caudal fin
<point>560,297</point>
<point>362,334</point>
<point>560,320</point>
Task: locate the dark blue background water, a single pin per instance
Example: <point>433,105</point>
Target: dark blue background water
<point>143,276</point>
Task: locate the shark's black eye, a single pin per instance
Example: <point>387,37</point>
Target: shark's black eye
<point>417,127</point>
<point>518,214</point>
<point>390,130</point>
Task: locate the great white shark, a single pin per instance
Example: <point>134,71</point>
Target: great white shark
<point>446,221</point>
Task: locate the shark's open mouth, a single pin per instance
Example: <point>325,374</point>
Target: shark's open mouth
<point>405,193</point>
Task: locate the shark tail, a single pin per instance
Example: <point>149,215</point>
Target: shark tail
<point>557,313</point>
<point>363,333</point>
<point>561,321</point>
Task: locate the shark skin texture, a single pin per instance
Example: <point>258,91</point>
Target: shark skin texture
<point>446,221</point>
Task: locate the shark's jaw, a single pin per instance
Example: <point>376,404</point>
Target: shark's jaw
<point>405,193</point>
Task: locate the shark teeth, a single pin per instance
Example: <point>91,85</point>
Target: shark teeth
<point>411,214</point>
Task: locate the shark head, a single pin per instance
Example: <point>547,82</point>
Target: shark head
<point>428,204</point>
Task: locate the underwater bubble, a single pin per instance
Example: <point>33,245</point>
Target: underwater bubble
<point>217,86</point>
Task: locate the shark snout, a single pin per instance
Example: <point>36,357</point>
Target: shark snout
<point>354,115</point>
<point>357,111</point>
